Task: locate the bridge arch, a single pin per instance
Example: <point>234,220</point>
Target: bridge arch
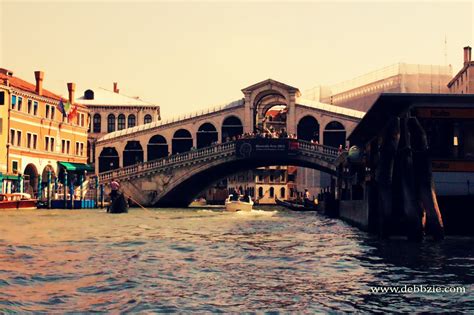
<point>263,102</point>
<point>157,147</point>
<point>334,134</point>
<point>108,159</point>
<point>181,190</point>
<point>182,141</point>
<point>206,135</point>
<point>133,153</point>
<point>308,129</point>
<point>231,127</point>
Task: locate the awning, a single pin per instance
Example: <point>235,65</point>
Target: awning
<point>8,176</point>
<point>76,166</point>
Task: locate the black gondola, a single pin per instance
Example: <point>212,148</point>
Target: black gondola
<point>308,206</point>
<point>118,205</point>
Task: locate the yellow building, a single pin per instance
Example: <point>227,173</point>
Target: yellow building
<point>37,135</point>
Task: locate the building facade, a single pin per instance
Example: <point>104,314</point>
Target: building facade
<point>463,81</point>
<point>37,134</point>
<point>111,111</point>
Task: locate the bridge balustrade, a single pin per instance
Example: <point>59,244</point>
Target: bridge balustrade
<point>228,147</point>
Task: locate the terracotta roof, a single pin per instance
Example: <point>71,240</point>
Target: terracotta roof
<point>28,87</point>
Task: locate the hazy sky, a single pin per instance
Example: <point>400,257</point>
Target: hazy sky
<point>190,55</point>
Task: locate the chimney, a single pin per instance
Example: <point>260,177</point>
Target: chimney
<point>116,90</point>
<point>71,87</point>
<point>39,75</point>
<point>467,54</point>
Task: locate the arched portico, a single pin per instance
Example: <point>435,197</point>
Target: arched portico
<point>133,153</point>
<point>30,184</point>
<point>182,141</point>
<point>308,129</point>
<point>231,127</point>
<point>334,134</point>
<point>108,159</point>
<point>206,135</point>
<point>157,147</point>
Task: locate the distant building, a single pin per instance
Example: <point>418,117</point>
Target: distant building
<point>111,111</point>
<point>463,81</point>
<point>36,138</point>
<point>264,184</point>
<point>361,92</point>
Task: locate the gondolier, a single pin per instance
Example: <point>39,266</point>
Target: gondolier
<point>114,186</point>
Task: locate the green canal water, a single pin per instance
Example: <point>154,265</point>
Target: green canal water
<point>208,260</point>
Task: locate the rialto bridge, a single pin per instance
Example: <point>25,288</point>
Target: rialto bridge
<point>268,105</point>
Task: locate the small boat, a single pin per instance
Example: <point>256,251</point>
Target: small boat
<point>238,204</point>
<point>17,201</point>
<point>118,205</point>
<point>307,206</point>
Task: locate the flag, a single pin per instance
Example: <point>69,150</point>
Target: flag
<point>61,108</point>
<point>67,107</point>
<point>72,113</point>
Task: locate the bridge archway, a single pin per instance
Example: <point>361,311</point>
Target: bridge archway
<point>206,135</point>
<point>270,109</point>
<point>183,189</point>
<point>334,134</point>
<point>133,153</point>
<point>308,129</point>
<point>31,179</point>
<point>157,147</point>
<point>108,159</point>
<point>231,127</point>
<point>182,141</point>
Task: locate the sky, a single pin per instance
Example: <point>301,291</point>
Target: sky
<point>186,56</point>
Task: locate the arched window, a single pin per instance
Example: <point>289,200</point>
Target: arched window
<point>231,127</point>
<point>96,123</point>
<point>334,134</point>
<point>121,122</point>
<point>272,192</point>
<point>260,192</point>
<point>131,121</point>
<point>111,123</point>
<point>282,192</point>
<point>147,119</point>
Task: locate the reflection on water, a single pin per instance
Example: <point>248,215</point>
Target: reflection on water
<point>210,260</point>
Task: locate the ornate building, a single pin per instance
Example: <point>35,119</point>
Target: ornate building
<point>111,111</point>
<point>38,136</point>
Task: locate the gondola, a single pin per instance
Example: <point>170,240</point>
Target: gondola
<point>118,205</point>
<point>308,206</point>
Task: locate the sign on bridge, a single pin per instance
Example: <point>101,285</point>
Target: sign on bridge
<point>263,147</point>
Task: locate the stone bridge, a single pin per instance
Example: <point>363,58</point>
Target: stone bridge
<point>174,181</point>
<point>267,105</point>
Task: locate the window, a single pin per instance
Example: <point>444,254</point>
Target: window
<point>47,111</point>
<point>13,101</point>
<point>35,108</point>
<point>18,138</point>
<point>28,140</point>
<point>121,122</point>
<point>20,102</point>
<point>35,141</point>
<point>81,146</point>
<point>81,120</point>
<point>260,192</point>
<point>46,143</point>
<point>63,146</point>
<point>282,192</point>
<point>272,192</point>
<point>30,106</point>
<point>15,166</point>
<point>111,123</point>
<point>53,110</point>
<point>68,147</point>
<point>96,124</point>
<point>12,136</point>
<point>52,145</point>
<point>2,98</point>
<point>76,152</point>
<point>147,119</point>
<point>131,121</point>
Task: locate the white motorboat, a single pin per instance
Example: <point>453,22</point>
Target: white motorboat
<point>238,204</point>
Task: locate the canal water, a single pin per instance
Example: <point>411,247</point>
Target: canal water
<point>207,260</point>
